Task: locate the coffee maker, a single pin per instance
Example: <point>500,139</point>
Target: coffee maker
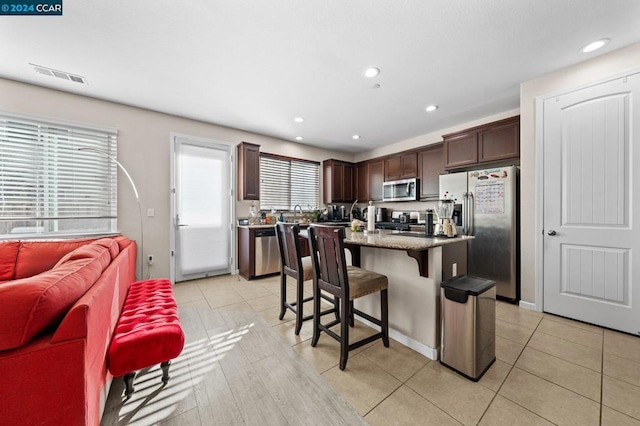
<point>445,226</point>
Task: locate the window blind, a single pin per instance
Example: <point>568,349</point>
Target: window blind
<point>49,186</point>
<point>287,182</point>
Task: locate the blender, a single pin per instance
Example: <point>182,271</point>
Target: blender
<point>445,226</point>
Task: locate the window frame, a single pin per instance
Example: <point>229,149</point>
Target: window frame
<point>50,185</point>
<point>267,203</point>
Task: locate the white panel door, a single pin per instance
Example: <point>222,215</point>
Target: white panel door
<point>592,204</point>
<point>202,209</point>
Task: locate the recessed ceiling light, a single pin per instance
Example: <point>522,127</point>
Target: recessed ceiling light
<point>595,45</point>
<point>371,72</point>
<point>432,108</point>
<point>298,119</point>
<point>355,137</point>
<point>298,138</point>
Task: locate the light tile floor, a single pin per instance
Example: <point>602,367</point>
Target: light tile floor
<point>549,370</point>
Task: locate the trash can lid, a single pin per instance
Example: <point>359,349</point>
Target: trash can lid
<point>468,284</point>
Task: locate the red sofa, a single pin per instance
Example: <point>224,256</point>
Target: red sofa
<point>59,304</point>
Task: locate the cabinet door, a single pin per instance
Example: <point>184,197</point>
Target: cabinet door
<point>246,252</point>
<point>376,179</point>
<point>248,171</point>
<point>392,168</point>
<point>409,165</point>
<point>362,182</point>
<point>461,150</point>
<point>338,182</point>
<point>347,183</point>
<point>501,142</point>
<point>430,167</point>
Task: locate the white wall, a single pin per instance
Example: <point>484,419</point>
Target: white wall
<point>143,148</point>
<point>602,67</point>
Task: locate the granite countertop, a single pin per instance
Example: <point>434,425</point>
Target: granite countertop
<point>302,225</point>
<point>396,240</point>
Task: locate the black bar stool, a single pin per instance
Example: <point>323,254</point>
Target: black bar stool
<point>299,268</point>
<point>331,274</point>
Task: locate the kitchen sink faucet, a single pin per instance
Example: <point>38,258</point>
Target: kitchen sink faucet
<point>351,209</point>
<point>294,212</point>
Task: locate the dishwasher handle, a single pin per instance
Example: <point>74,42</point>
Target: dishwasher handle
<point>260,233</point>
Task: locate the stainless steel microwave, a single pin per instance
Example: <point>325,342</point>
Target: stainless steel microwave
<point>400,190</point>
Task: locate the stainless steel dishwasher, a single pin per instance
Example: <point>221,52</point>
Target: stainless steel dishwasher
<point>267,259</point>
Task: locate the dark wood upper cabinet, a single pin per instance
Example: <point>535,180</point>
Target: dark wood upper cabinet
<point>499,142</point>
<point>430,167</point>
<point>347,183</point>
<point>488,143</point>
<point>460,150</point>
<point>362,181</point>
<point>401,166</point>
<point>376,179</point>
<point>248,171</point>
<point>337,181</point>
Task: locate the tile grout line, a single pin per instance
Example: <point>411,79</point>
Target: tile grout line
<point>507,376</point>
<point>602,376</point>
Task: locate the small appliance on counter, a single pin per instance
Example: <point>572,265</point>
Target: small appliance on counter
<point>445,226</point>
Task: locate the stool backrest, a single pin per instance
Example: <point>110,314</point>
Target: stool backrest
<point>289,244</point>
<point>327,256</point>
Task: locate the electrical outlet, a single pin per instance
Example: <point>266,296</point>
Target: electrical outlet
<point>454,269</point>
<point>150,260</point>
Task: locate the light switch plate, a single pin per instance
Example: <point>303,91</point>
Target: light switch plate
<point>151,212</point>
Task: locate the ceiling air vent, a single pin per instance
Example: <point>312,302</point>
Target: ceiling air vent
<point>60,74</point>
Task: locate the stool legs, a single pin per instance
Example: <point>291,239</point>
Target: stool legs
<point>384,317</point>
<point>299,304</point>
<point>165,371</point>
<point>347,320</point>
<point>128,382</point>
<point>283,295</point>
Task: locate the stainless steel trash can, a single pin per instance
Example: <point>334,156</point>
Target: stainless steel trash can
<point>468,312</point>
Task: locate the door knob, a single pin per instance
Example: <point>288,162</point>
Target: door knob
<point>551,232</point>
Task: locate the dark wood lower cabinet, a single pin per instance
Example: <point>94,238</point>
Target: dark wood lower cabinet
<point>246,252</point>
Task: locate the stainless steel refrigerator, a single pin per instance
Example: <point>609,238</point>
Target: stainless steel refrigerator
<point>487,204</point>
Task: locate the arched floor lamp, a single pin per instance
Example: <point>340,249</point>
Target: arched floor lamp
<point>135,191</point>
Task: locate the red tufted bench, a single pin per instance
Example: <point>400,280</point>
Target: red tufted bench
<point>148,331</point>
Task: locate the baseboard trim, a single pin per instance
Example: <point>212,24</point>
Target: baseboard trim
<point>421,348</point>
<point>528,305</point>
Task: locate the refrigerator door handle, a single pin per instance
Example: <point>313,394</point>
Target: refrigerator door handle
<point>471,209</point>
<point>465,222</point>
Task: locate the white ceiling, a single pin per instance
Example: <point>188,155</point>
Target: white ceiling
<point>255,65</point>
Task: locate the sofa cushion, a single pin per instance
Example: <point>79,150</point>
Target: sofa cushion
<point>111,244</point>
<point>8,256</point>
<point>34,303</point>
<point>122,241</point>
<point>35,257</point>
<point>88,251</point>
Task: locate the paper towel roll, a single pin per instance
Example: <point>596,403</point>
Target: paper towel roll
<point>371,218</point>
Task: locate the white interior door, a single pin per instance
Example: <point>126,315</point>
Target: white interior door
<point>592,204</point>
<point>202,208</point>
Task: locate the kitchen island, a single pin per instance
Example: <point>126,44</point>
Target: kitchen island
<point>415,266</point>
